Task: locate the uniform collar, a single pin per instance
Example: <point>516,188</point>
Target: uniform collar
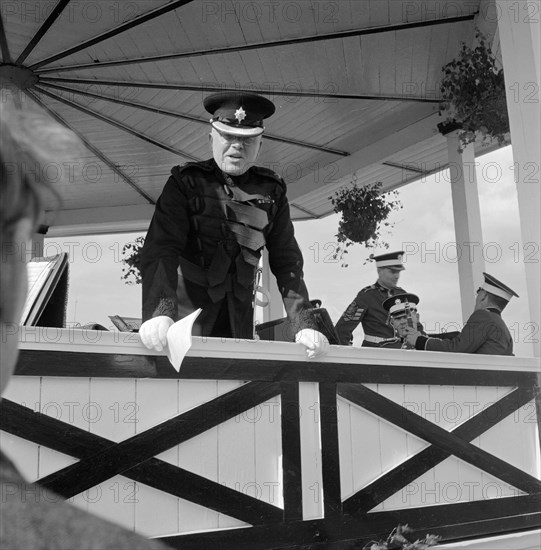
<point>494,310</point>
<point>235,180</point>
<point>379,286</point>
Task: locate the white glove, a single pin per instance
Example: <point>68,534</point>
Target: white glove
<point>153,333</point>
<point>315,342</point>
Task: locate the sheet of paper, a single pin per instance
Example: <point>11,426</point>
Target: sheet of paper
<point>179,339</point>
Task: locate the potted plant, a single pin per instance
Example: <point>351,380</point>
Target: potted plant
<point>364,213</point>
<point>473,95</point>
<point>131,273</point>
<point>397,541</point>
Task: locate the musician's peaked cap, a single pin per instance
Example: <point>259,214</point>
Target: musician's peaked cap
<point>390,259</point>
<point>497,288</point>
<point>238,113</point>
<point>398,303</point>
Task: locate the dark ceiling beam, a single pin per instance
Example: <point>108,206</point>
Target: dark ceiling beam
<point>145,17</point>
<point>212,89</point>
<point>58,9</point>
<point>108,162</point>
<point>4,48</point>
<point>157,110</point>
<point>119,125</point>
<point>268,44</point>
<point>199,120</point>
<point>406,167</point>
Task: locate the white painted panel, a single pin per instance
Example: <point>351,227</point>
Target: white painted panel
<point>414,398</point>
<point>115,500</point>
<point>23,453</point>
<point>156,512</point>
<point>157,401</point>
<point>486,396</point>
<point>24,390</point>
<point>115,399</point>
<point>67,400</point>
<point>200,453</point>
<point>345,447</point>
<point>236,457</point>
<point>312,479</point>
<point>268,452</point>
<point>192,393</point>
<point>366,454</point>
<point>519,431</point>
<point>393,443</point>
<point>446,413</point>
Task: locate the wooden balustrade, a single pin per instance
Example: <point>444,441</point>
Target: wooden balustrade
<point>254,446</point>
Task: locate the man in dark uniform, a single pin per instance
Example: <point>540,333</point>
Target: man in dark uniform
<point>210,225</point>
<point>485,332</point>
<point>367,307</point>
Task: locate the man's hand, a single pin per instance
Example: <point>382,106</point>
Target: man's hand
<point>411,335</point>
<point>153,333</point>
<point>315,342</point>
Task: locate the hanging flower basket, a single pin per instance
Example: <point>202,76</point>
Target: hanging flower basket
<point>364,213</point>
<point>473,96</point>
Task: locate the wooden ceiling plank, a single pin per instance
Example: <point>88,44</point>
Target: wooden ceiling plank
<point>291,93</point>
<point>190,118</point>
<point>421,130</point>
<point>143,18</point>
<point>99,154</point>
<point>4,47</point>
<point>421,82</point>
<point>117,124</point>
<point>47,24</point>
<point>403,61</point>
<point>230,49</point>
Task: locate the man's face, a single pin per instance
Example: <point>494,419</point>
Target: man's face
<point>400,322</point>
<point>234,154</point>
<point>388,276</point>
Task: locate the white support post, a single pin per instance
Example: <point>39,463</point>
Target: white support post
<point>519,32</point>
<point>467,218</point>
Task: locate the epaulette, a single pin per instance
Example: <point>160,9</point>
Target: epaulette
<point>369,287</point>
<point>269,173</point>
<point>205,165</point>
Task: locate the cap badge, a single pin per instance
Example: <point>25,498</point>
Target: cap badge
<point>240,114</point>
<point>398,301</point>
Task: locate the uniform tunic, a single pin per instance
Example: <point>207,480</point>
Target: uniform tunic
<point>485,332</point>
<point>203,247</point>
<point>367,308</point>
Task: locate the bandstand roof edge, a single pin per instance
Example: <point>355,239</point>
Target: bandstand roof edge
<point>355,83</point>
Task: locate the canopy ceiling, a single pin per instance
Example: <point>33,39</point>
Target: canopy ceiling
<point>355,83</point>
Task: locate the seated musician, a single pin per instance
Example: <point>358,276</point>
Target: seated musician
<point>402,310</point>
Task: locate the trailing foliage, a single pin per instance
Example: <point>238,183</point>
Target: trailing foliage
<point>397,541</point>
<point>473,95</point>
<point>364,213</point>
<point>131,273</point>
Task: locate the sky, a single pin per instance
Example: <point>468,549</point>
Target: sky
<point>424,228</point>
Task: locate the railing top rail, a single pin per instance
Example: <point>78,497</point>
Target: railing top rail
<point>125,343</point>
